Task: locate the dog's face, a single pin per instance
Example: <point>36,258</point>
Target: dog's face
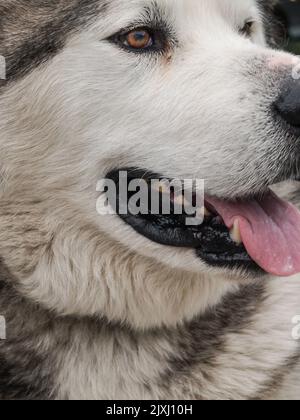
<point>184,89</point>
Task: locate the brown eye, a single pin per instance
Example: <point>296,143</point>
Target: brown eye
<point>142,40</point>
<point>138,39</point>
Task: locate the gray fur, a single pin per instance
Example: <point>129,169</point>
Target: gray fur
<point>25,369</point>
<point>33,31</point>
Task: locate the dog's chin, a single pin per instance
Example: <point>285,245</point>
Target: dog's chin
<point>211,241</point>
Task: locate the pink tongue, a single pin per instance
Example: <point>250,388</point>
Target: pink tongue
<point>270,230</point>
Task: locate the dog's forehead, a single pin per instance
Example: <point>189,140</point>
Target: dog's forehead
<point>185,8</point>
<point>33,31</point>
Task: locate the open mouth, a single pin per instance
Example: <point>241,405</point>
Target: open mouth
<point>260,234</point>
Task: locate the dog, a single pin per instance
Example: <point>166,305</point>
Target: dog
<point>113,307</point>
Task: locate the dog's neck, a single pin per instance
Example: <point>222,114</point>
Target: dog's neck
<point>67,265</point>
<point>82,357</point>
<point>68,270</point>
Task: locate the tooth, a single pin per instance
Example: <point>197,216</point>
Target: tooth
<point>235,233</point>
<point>207,213</point>
<point>204,212</point>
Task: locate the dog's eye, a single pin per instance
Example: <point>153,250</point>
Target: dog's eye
<point>247,29</point>
<point>140,40</point>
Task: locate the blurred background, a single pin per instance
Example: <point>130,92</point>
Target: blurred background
<point>289,13</point>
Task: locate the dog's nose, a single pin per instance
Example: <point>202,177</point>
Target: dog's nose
<point>288,103</point>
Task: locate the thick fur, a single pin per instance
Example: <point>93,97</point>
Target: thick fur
<point>93,310</point>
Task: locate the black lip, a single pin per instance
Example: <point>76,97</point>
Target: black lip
<point>210,240</point>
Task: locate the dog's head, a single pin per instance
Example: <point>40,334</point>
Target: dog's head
<point>180,89</point>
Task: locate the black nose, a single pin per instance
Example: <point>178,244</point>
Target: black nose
<point>288,103</point>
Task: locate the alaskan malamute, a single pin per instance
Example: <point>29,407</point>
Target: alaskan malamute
<point>144,306</point>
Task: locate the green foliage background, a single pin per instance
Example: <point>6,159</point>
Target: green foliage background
<point>294,46</point>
